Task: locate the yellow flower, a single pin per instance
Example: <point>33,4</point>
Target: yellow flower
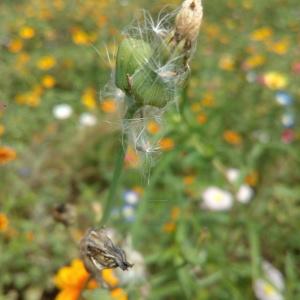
<point>80,37</point>
<point>226,63</point>
<point>208,100</point>
<point>108,106</point>
<point>118,294</point>
<point>88,98</point>
<point>15,46</point>
<point>255,61</point>
<point>27,32</point>
<point>31,98</point>
<point>7,154</point>
<point>232,137</point>
<point>3,222</point>
<point>48,81</point>
<point>280,47</point>
<point>153,127</point>
<point>2,129</point>
<point>46,62</point>
<point>261,34</point>
<point>166,144</point>
<point>275,80</point>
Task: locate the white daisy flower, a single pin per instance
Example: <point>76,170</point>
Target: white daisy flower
<point>244,194</point>
<point>265,291</point>
<point>273,275</point>
<point>232,175</point>
<point>62,111</point>
<point>272,286</point>
<point>216,199</point>
<point>87,120</point>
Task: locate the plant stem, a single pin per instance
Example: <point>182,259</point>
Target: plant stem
<point>111,198</point>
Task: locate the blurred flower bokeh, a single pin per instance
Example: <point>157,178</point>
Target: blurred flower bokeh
<point>209,198</point>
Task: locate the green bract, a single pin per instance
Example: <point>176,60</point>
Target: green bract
<point>132,55</point>
<point>137,77</point>
<point>150,88</point>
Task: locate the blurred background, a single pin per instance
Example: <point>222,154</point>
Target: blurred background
<point>211,212</point>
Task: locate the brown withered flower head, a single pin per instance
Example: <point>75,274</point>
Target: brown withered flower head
<point>98,252</point>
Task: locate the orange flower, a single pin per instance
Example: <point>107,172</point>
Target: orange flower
<point>175,213</point>
<point>166,144</point>
<point>118,294</point>
<point>27,32</point>
<point>169,227</point>
<point>71,280</point>
<point>201,119</point>
<point>15,46</point>
<point>46,62</point>
<point>109,105</point>
<point>48,81</point>
<point>88,98</point>
<point>3,222</point>
<point>232,137</point>
<point>109,277</point>
<point>188,180</point>
<point>2,129</point>
<point>29,236</point>
<point>153,127</point>
<point>31,98</point>
<point>7,154</point>
<point>252,178</point>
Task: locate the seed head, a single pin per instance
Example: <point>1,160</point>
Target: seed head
<point>188,22</point>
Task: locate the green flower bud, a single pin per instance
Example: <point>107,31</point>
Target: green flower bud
<point>132,55</point>
<point>150,88</point>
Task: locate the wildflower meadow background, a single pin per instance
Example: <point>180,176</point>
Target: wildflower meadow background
<point>211,210</point>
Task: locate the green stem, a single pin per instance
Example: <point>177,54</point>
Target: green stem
<point>111,198</point>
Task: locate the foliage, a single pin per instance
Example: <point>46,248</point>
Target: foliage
<point>238,111</point>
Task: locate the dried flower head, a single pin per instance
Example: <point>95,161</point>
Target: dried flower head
<point>188,22</point>
<point>98,252</point>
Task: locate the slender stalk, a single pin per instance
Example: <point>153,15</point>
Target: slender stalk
<point>111,198</point>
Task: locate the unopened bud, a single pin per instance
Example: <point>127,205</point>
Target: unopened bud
<point>132,55</point>
<point>188,22</point>
<point>152,88</point>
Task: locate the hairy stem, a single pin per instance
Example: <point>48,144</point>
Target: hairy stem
<point>111,198</point>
